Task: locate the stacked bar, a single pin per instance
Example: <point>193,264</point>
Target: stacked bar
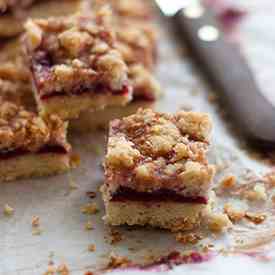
<point>75,65</point>
<point>137,42</point>
<point>156,171</point>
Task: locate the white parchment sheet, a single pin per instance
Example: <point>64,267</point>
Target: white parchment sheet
<point>64,238</point>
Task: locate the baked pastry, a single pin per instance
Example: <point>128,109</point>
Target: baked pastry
<point>156,171</point>
<point>13,13</point>
<point>75,66</point>
<point>29,145</point>
<point>137,43</point>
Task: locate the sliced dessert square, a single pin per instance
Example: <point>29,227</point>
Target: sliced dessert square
<point>156,171</point>
<point>75,66</point>
<point>146,92</point>
<point>29,145</point>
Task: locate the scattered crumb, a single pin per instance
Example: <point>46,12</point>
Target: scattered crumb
<point>72,184</point>
<point>91,248</point>
<point>8,210</point>
<point>234,214</point>
<point>91,194</point>
<point>118,262</point>
<point>255,217</point>
<point>75,160</point>
<point>51,270</point>
<point>218,222</point>
<point>63,269</point>
<point>115,236</point>
<point>35,221</point>
<point>257,194</point>
<point>89,226</point>
<point>186,239</point>
<point>228,182</point>
<point>36,231</point>
<point>90,209</point>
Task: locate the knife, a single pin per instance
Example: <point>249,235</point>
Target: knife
<point>226,68</point>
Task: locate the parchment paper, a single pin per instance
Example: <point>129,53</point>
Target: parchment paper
<point>64,238</point>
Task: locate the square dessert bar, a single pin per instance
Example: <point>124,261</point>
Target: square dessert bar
<point>30,145</point>
<point>75,65</point>
<point>146,92</point>
<point>156,171</point>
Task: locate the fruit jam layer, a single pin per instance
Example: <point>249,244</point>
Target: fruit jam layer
<point>4,155</point>
<point>124,194</point>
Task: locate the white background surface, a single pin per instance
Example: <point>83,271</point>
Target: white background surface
<point>64,239</point>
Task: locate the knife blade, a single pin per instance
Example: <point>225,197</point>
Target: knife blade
<point>225,67</point>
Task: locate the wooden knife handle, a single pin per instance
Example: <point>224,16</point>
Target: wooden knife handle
<point>227,68</point>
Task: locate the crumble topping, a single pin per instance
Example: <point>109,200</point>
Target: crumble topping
<point>136,9</point>
<point>218,222</point>
<point>75,54</point>
<point>145,86</point>
<point>8,210</point>
<point>22,129</point>
<point>150,151</point>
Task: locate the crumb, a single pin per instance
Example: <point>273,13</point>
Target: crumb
<point>36,231</point>
<point>72,184</point>
<point>118,262</point>
<point>89,226</point>
<point>8,210</point>
<point>90,209</point>
<point>35,221</point>
<point>234,214</point>
<point>63,269</point>
<point>228,182</point>
<point>218,222</point>
<point>115,236</point>
<point>51,270</point>
<point>88,273</point>
<point>256,218</point>
<point>91,194</point>
<point>257,194</point>
<point>190,238</point>
<point>75,160</point>
<point>91,248</point>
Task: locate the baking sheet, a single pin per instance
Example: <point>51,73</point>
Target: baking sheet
<point>64,238</point>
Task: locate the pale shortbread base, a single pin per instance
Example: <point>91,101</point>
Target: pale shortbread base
<point>69,107</point>
<point>167,215</point>
<point>33,165</point>
<point>88,120</point>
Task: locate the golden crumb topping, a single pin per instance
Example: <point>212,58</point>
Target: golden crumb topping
<point>75,54</point>
<point>145,86</point>
<point>150,150</point>
<point>21,129</point>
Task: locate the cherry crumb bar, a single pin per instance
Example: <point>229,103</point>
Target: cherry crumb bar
<point>156,171</point>
<point>75,66</point>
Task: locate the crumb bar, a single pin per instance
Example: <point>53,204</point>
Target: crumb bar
<point>75,65</point>
<point>29,144</point>
<point>156,171</point>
